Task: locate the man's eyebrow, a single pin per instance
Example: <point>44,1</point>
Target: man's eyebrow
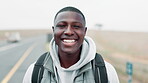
<point>77,22</point>
<point>60,22</point>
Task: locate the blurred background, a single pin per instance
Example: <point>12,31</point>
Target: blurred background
<point>118,27</point>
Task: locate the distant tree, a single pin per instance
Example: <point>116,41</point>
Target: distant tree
<point>98,26</point>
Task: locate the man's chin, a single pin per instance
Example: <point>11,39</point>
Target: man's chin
<point>69,52</point>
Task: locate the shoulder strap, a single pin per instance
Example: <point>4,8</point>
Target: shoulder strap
<point>39,69</point>
<point>98,62</point>
<point>101,75</point>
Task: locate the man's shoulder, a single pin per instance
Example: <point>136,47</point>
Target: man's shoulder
<point>111,73</point>
<point>28,74</point>
<point>109,66</point>
<point>30,68</point>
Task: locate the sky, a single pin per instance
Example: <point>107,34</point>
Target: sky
<point>118,15</point>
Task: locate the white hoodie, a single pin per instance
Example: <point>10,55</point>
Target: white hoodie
<point>87,54</point>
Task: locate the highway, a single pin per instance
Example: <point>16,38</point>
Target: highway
<point>15,58</point>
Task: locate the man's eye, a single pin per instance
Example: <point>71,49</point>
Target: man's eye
<point>60,26</point>
<point>76,26</point>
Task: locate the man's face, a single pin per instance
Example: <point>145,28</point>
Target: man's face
<point>69,31</point>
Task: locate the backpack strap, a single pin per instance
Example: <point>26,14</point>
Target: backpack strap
<point>98,64</point>
<point>38,70</point>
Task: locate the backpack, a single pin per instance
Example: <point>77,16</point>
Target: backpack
<point>98,66</point>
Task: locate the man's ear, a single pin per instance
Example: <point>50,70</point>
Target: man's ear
<point>52,28</point>
<point>85,29</point>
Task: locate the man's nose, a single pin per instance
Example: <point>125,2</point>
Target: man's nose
<point>69,31</point>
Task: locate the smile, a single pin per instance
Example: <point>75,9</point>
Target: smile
<point>69,40</point>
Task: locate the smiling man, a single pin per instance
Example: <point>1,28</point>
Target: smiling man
<point>72,56</point>
<point>69,31</point>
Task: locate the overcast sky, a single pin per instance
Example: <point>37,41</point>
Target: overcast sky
<point>126,15</point>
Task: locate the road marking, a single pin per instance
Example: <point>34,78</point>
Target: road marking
<point>8,47</point>
<point>16,66</point>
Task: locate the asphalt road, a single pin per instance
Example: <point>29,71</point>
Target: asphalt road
<point>15,58</point>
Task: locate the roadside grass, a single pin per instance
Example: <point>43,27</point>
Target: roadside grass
<point>47,46</point>
<point>2,35</point>
<point>109,45</point>
<point>26,33</point>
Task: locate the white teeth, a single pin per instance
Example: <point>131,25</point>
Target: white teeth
<point>69,41</point>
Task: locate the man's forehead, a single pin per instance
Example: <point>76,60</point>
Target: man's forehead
<point>71,16</point>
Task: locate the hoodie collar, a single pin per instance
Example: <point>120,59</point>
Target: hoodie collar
<point>50,67</point>
<point>49,64</point>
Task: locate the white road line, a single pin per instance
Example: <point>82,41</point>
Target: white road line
<point>8,47</point>
<point>17,65</point>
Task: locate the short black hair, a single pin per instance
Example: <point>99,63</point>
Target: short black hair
<point>70,8</point>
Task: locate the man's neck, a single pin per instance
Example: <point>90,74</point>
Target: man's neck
<point>67,60</point>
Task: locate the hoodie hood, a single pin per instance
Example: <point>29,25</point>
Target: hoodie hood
<point>87,54</point>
